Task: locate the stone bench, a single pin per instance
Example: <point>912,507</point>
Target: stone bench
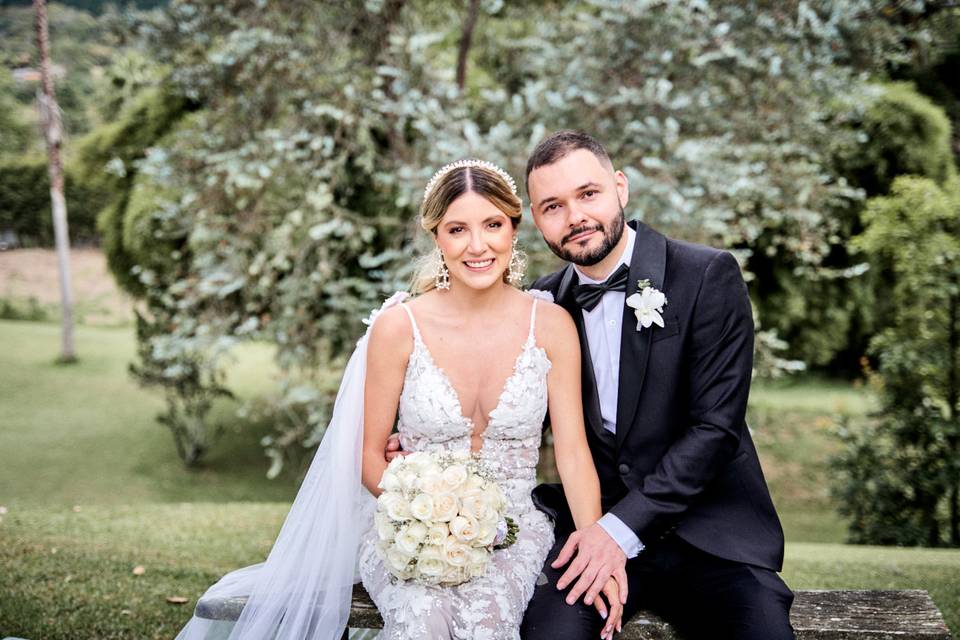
<point>820,615</point>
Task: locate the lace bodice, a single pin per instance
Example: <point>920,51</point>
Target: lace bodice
<point>431,418</point>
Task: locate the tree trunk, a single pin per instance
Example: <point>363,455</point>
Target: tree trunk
<point>954,504</point>
<point>473,12</point>
<point>53,134</point>
<point>953,399</point>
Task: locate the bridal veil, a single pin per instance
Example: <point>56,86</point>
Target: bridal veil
<point>303,590</point>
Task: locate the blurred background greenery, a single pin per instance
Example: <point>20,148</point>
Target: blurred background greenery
<point>242,182</point>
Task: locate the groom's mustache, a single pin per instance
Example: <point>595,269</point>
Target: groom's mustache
<point>577,232</point>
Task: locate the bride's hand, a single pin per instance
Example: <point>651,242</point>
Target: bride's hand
<point>612,615</point>
<point>393,447</point>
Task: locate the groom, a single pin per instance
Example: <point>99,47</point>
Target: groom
<point>686,508</point>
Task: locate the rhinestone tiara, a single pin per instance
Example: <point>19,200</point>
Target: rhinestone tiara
<point>447,168</point>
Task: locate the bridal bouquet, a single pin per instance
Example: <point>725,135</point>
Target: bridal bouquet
<point>439,518</point>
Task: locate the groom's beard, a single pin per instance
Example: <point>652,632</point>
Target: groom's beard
<point>611,236</point>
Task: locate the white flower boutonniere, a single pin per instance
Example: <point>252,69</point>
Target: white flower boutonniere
<point>647,305</point>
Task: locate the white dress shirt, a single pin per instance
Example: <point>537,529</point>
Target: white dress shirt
<point>602,326</point>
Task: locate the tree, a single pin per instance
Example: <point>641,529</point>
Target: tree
<point>53,133</point>
<point>900,475</point>
<point>286,204</point>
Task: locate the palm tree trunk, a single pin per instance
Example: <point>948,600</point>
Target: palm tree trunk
<point>53,133</point>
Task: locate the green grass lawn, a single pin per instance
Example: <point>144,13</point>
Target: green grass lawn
<point>94,488</point>
<point>86,433</point>
<point>69,575</point>
<point>792,423</point>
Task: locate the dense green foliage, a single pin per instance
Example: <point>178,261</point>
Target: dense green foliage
<point>899,132</point>
<point>828,313</point>
<point>110,157</point>
<point>81,45</point>
<point>15,134</point>
<point>901,472</point>
<point>25,202</point>
<point>285,204</point>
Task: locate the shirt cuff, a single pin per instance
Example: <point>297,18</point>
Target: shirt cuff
<point>621,534</point>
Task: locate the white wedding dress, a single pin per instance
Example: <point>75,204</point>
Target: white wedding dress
<point>302,591</point>
<point>431,419</point>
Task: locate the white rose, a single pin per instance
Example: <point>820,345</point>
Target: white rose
<point>431,483</point>
<point>471,504</point>
<point>384,499</point>
<point>431,468</point>
<point>476,570</point>
<point>473,483</point>
<point>494,497</point>
<point>445,507</point>
<point>464,528</point>
<point>456,553</point>
<point>479,556</point>
<point>432,552</point>
<point>389,481</point>
<point>489,516</point>
<point>438,534</point>
<point>454,575</point>
<point>408,478</point>
<point>405,545</point>
<point>395,506</point>
<point>399,509</point>
<point>482,508</point>
<point>432,569</point>
<point>454,476</point>
<point>415,460</point>
<point>432,561</point>
<point>487,534</point>
<point>385,528</point>
<point>418,530</point>
<point>410,537</point>
<point>422,507</point>
<point>397,559</point>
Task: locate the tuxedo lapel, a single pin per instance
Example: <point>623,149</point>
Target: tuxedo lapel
<point>588,381</point>
<point>648,262</point>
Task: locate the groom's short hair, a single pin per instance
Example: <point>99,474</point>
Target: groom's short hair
<point>560,144</point>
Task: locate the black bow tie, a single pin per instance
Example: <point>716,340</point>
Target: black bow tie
<point>588,295</point>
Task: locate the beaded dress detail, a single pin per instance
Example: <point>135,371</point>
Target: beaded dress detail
<point>430,418</point>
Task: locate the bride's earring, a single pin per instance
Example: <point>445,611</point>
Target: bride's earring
<point>518,264</point>
<point>442,278</point>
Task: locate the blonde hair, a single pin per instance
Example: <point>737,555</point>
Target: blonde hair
<point>481,180</point>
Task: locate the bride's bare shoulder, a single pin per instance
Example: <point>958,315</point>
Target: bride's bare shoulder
<point>392,332</point>
<point>554,325</point>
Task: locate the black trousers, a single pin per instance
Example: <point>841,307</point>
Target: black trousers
<point>702,595</point>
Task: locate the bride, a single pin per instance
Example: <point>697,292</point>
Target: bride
<point>471,364</point>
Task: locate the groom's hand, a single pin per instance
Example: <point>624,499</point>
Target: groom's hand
<point>393,449</point>
<point>598,558</point>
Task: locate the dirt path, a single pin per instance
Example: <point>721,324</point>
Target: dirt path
<point>33,273</point>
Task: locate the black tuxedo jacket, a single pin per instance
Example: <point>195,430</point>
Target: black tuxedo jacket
<point>682,459</point>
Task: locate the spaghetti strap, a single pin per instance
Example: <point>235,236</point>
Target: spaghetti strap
<point>533,319</point>
<point>416,330</point>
